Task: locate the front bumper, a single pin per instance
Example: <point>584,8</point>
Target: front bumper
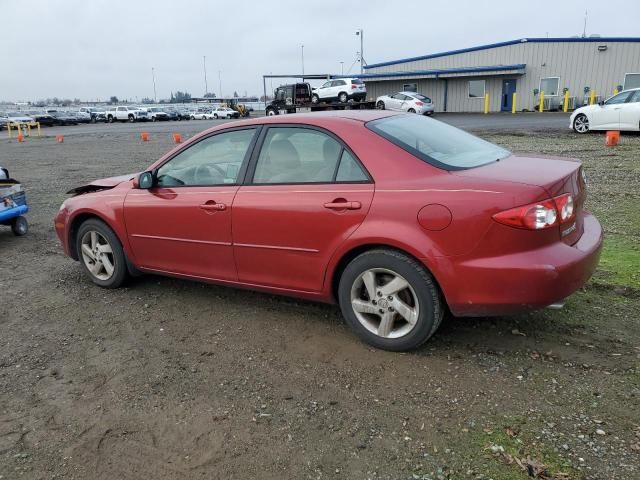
<point>523,281</point>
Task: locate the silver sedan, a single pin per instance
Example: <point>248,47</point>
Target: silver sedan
<point>411,102</point>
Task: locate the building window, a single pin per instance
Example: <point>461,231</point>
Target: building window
<point>631,80</point>
<point>410,87</point>
<point>476,88</point>
<point>550,86</point>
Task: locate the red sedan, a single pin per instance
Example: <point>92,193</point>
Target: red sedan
<point>398,218</point>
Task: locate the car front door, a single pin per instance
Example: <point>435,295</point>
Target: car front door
<point>325,90</point>
<point>182,225</point>
<point>396,101</point>
<point>630,112</point>
<point>608,115</point>
<point>308,193</point>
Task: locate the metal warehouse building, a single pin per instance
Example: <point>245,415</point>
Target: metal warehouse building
<point>457,81</point>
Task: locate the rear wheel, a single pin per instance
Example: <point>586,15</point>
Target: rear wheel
<point>19,226</point>
<point>380,105</point>
<point>389,300</point>
<point>101,254</point>
<point>412,110</point>
<point>215,116</point>
<point>342,97</point>
<point>581,124</point>
<point>132,119</point>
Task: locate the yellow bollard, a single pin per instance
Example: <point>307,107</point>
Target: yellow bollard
<point>541,108</point>
<point>9,129</point>
<point>592,97</point>
<point>513,103</point>
<point>565,103</point>
<point>38,125</point>
<point>615,91</point>
<point>28,129</point>
<point>486,103</point>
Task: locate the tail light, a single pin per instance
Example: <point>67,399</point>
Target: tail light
<point>353,85</point>
<point>419,103</point>
<point>540,215</point>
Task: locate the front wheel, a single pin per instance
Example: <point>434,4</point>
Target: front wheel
<point>380,105</point>
<point>390,300</point>
<point>101,254</point>
<point>215,116</point>
<point>412,110</point>
<point>342,98</point>
<point>581,124</point>
<point>271,112</point>
<point>131,119</point>
<point>315,99</point>
<point>109,119</point>
<point>19,226</point>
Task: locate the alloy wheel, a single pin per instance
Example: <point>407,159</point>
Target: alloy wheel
<point>581,124</point>
<point>385,303</point>
<point>97,255</point>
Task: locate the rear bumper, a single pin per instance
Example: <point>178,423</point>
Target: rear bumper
<point>524,281</point>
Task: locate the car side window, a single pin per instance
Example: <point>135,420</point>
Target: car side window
<point>216,160</point>
<point>636,97</point>
<point>326,85</point>
<point>291,155</point>
<point>620,98</point>
<point>349,169</point>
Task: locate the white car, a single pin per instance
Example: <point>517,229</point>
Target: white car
<point>17,117</point>
<point>619,112</point>
<point>224,112</point>
<point>411,102</point>
<point>341,89</point>
<point>201,116</point>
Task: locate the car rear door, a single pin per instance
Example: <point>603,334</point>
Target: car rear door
<point>306,194</point>
<point>182,225</point>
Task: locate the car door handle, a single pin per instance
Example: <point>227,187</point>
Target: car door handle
<point>212,206</point>
<point>343,205</point>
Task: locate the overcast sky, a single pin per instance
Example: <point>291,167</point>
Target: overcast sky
<point>92,49</point>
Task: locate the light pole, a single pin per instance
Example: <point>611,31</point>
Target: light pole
<point>360,33</point>
<point>153,76</point>
<point>341,68</point>
<point>220,81</point>
<point>204,66</point>
<point>302,48</point>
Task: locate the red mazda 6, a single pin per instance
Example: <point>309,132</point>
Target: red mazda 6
<point>395,217</point>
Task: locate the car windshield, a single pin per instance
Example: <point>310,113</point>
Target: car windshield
<point>437,143</point>
<point>356,81</point>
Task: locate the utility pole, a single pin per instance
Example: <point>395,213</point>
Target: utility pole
<point>302,48</point>
<point>361,34</point>
<point>220,81</point>
<point>153,76</point>
<point>584,29</point>
<point>341,68</point>
<point>204,66</point>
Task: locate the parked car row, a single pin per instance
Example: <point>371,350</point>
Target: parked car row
<point>122,113</point>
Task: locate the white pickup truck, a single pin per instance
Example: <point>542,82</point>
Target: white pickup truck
<point>124,114</point>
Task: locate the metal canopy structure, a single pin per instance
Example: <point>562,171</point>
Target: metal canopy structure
<point>303,77</point>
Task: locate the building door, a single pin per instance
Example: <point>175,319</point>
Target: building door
<point>508,89</point>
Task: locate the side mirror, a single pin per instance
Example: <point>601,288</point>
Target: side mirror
<point>145,180</point>
<point>601,103</point>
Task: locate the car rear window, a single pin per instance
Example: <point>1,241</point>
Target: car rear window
<point>437,143</point>
<point>357,81</point>
<point>422,98</point>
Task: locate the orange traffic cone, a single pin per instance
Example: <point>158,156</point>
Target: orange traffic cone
<point>612,138</point>
<point>144,136</point>
<point>177,138</point>
<point>59,138</point>
<point>20,137</point>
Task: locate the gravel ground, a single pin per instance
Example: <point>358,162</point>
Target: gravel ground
<point>174,379</point>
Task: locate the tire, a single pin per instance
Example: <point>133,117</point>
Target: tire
<point>19,226</point>
<point>380,105</point>
<point>192,117</point>
<point>103,236</point>
<point>412,110</point>
<point>110,119</point>
<point>418,296</point>
<point>581,124</point>
<point>153,119</point>
<point>93,120</point>
<point>315,99</point>
<point>271,112</point>
<point>215,115</point>
<point>343,97</point>
<point>131,119</point>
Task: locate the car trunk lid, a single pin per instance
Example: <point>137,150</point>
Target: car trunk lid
<point>555,175</point>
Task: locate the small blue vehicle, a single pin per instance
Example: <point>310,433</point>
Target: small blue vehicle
<point>13,204</point>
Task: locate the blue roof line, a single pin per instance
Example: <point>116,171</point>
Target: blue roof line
<point>488,68</point>
<point>504,44</point>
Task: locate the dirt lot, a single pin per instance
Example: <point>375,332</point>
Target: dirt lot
<point>174,379</point>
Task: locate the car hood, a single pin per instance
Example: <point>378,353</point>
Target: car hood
<point>20,119</point>
<point>586,109</point>
<point>102,184</point>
